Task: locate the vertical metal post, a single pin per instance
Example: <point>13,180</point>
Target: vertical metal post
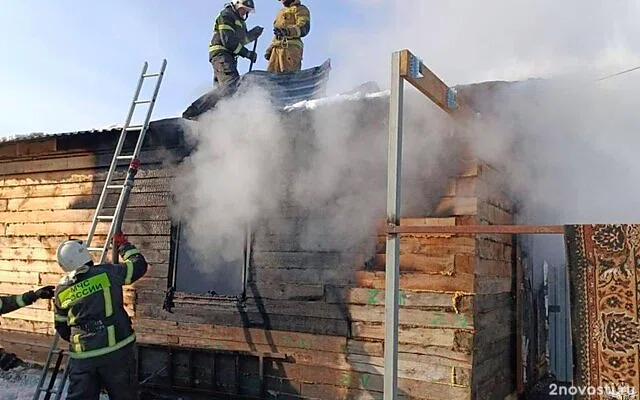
<point>392,272</point>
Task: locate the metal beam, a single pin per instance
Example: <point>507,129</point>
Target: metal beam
<point>392,272</point>
<point>480,229</point>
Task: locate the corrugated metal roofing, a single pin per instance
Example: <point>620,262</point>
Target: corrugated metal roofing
<point>285,88</point>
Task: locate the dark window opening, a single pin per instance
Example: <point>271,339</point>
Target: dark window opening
<point>218,273</point>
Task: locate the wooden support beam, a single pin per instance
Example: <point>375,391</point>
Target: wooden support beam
<point>430,85</point>
<point>480,229</point>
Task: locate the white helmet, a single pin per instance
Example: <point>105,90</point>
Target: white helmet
<point>72,254</point>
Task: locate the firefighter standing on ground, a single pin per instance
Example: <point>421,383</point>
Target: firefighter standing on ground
<point>90,315</point>
<point>292,23</point>
<point>228,42</point>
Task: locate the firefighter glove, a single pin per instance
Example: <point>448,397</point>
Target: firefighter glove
<point>119,239</point>
<point>254,33</point>
<point>253,56</point>
<point>45,292</point>
<point>267,53</point>
<point>280,33</point>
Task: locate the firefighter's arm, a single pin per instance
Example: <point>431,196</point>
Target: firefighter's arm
<point>12,303</point>
<point>228,31</point>
<point>60,322</point>
<point>135,265</point>
<point>302,25</point>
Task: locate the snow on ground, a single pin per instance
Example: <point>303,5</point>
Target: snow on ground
<point>20,383</point>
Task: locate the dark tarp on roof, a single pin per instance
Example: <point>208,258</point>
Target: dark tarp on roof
<point>285,88</point>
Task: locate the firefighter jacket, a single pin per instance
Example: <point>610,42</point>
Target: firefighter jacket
<point>12,303</point>
<point>89,310</point>
<point>229,34</point>
<point>296,20</point>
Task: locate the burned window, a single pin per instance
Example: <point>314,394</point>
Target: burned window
<point>206,266</point>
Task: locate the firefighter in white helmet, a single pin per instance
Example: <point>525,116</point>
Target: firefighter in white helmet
<point>90,315</point>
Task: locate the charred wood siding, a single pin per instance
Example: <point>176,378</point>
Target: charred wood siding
<point>323,311</point>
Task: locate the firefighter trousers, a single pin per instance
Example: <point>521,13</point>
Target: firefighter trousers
<point>225,73</point>
<point>115,372</point>
<point>287,59</point>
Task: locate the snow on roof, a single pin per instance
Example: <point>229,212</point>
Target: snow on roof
<point>340,98</point>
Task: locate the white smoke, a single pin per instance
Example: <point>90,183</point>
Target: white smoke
<point>567,143</point>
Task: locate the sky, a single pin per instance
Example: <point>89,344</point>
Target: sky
<point>72,65</point>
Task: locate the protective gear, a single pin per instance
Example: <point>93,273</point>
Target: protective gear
<point>12,303</point>
<point>253,56</point>
<point>267,53</point>
<point>115,372</point>
<point>119,239</point>
<point>228,42</point>
<point>280,33</point>
<point>90,315</point>
<point>247,4</point>
<point>45,292</point>
<point>292,23</point>
<point>286,3</point>
<point>254,34</point>
<point>72,254</point>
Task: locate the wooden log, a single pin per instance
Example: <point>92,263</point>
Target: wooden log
<point>83,215</point>
<point>409,316</point>
<point>86,202</point>
<point>376,297</point>
<point>66,162</point>
<point>21,277</point>
<point>421,263</point>
<point>143,242</point>
<point>14,258</point>
<point>411,335</point>
<point>299,260</point>
<point>149,185</point>
<point>9,323</point>
<point>431,245</point>
<point>460,282</point>
<point>232,317</point>
<point>260,275</point>
<point>454,206</point>
<point>147,170</point>
<point>81,228</point>
<point>283,291</point>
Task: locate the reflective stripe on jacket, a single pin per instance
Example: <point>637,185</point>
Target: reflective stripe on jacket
<point>229,34</point>
<point>89,311</point>
<point>12,303</point>
<point>297,20</point>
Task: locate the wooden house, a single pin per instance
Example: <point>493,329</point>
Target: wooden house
<point>304,324</point>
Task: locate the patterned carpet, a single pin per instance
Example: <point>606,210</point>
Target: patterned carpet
<point>604,263</point>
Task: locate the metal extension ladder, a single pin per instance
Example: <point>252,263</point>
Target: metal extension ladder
<point>50,388</point>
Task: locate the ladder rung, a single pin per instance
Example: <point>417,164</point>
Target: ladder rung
<point>134,127</point>
<point>142,101</point>
<point>95,248</point>
<point>124,158</point>
<point>151,75</point>
<point>106,217</point>
<point>115,186</point>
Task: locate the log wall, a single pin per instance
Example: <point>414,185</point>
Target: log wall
<point>323,312</point>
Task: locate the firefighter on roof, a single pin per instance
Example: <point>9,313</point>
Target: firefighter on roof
<point>228,42</point>
<point>90,315</point>
<point>12,303</point>
<point>292,23</point>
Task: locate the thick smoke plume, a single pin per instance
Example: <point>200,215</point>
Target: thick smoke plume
<point>568,144</point>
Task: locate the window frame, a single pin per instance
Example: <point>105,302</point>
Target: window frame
<point>183,297</point>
